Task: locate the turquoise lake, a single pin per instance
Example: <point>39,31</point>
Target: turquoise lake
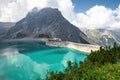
<point>29,60</point>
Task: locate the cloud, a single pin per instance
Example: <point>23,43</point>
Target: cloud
<point>13,10</point>
<point>96,17</point>
<point>67,9</point>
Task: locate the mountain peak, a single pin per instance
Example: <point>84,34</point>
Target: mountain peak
<point>47,23</point>
<point>49,9</point>
<point>35,9</point>
<point>44,14</point>
<point>45,10</point>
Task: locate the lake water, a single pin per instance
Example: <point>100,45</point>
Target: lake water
<point>29,60</point>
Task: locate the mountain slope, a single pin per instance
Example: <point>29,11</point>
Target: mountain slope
<point>102,37</point>
<point>4,27</point>
<point>116,32</point>
<point>47,23</point>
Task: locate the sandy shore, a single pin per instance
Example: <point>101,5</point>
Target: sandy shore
<point>81,47</point>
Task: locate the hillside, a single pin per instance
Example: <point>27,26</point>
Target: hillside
<point>103,37</point>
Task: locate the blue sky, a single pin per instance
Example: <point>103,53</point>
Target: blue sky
<point>84,5</point>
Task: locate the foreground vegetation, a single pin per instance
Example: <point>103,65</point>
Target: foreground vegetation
<point>103,64</point>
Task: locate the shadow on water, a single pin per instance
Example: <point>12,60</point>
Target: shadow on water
<point>25,46</point>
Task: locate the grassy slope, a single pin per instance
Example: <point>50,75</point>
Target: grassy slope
<point>94,35</point>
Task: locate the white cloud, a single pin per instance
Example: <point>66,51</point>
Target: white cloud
<point>96,17</point>
<point>13,10</point>
<point>67,9</point>
<point>36,3</point>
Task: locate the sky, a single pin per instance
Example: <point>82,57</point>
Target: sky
<point>84,5</point>
<point>82,13</point>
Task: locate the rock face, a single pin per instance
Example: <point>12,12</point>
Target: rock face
<point>103,37</point>
<point>116,32</point>
<point>47,23</point>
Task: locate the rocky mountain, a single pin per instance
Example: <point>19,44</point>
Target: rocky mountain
<point>116,32</point>
<point>102,37</point>
<point>47,23</point>
<point>4,27</point>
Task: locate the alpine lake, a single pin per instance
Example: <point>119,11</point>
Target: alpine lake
<point>29,60</point>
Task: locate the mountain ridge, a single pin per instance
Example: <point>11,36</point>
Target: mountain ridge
<point>103,37</point>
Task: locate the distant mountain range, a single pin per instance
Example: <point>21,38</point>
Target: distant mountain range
<point>4,27</point>
<point>47,23</point>
<point>103,37</point>
<point>116,32</point>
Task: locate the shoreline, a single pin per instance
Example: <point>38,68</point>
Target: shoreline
<point>77,46</point>
<point>54,43</point>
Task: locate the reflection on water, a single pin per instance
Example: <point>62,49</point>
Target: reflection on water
<point>73,56</point>
<point>19,67</point>
<point>31,60</point>
<point>8,52</point>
